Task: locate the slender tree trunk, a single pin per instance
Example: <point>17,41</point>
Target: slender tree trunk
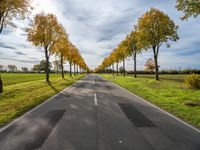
<point>1,85</point>
<point>47,64</point>
<point>62,70</point>
<point>1,22</point>
<point>113,69</point>
<point>77,69</point>
<point>134,57</point>
<point>117,68</point>
<point>124,71</point>
<point>70,65</point>
<point>74,69</point>
<point>156,62</point>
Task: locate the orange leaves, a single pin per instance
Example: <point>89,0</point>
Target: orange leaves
<point>154,28</point>
<point>10,9</point>
<point>44,31</point>
<point>189,8</point>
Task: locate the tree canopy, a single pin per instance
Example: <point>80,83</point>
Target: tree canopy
<point>189,8</point>
<point>10,9</point>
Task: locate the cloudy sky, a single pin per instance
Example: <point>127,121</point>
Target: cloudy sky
<point>96,27</point>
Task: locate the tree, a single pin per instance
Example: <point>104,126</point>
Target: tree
<point>42,66</point>
<point>150,65</point>
<point>57,65</point>
<point>124,53</point>
<point>1,68</point>
<point>44,32</point>
<point>133,47</point>
<point>10,9</point>
<point>61,48</point>
<point>189,8</point>
<point>24,69</point>
<point>155,28</point>
<point>12,68</point>
<point>36,68</point>
<point>121,70</point>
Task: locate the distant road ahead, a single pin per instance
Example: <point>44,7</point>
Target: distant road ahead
<point>95,114</point>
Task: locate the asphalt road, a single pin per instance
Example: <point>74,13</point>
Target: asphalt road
<point>95,114</point>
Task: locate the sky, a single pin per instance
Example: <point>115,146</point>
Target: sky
<point>96,27</point>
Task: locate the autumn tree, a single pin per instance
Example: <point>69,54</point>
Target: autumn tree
<point>44,32</point>
<point>60,48</point>
<point>133,48</point>
<point>117,59</point>
<point>10,9</point>
<point>57,65</point>
<point>189,8</point>
<point>155,28</point>
<point>150,65</point>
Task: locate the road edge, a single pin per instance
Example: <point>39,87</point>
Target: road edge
<point>156,107</point>
<point>36,107</point>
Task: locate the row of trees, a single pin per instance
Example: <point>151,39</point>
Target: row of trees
<point>153,29</point>
<point>44,31</point>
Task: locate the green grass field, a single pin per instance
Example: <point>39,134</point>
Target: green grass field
<point>170,94</point>
<point>24,91</point>
<point>14,78</point>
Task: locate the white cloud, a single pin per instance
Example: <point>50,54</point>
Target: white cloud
<point>96,27</point>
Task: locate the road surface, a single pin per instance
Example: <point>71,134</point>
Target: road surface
<point>95,114</point>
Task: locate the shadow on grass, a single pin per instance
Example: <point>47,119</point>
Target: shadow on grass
<point>50,84</point>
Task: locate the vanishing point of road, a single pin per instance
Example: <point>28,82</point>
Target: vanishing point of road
<point>95,114</point>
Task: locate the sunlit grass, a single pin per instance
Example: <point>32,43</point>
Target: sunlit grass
<point>18,97</point>
<point>170,95</point>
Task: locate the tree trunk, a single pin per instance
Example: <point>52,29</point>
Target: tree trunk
<point>62,70</point>
<point>135,73</point>
<point>1,23</point>
<point>47,64</point>
<point>156,62</point>
<point>124,71</point>
<point>113,69</point>
<point>74,69</point>
<point>77,69</point>
<point>117,68</point>
<point>1,85</point>
<point>70,65</point>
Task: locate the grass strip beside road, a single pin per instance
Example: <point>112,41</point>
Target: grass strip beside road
<point>18,98</point>
<point>169,95</point>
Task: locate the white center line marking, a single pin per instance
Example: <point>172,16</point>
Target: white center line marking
<point>95,99</point>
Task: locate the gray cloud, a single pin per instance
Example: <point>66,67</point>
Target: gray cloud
<point>96,27</point>
<point>3,45</point>
<point>20,53</point>
<point>21,61</point>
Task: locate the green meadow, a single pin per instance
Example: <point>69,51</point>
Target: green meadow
<point>24,91</point>
<point>170,94</point>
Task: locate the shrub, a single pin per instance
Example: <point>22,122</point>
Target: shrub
<point>193,81</point>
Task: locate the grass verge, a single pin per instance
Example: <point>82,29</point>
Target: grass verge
<point>18,98</point>
<point>170,95</point>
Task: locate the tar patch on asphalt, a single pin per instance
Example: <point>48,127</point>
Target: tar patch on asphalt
<point>51,118</point>
<point>135,116</point>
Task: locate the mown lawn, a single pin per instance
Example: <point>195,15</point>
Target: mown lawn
<point>24,91</point>
<point>14,78</point>
<point>170,95</point>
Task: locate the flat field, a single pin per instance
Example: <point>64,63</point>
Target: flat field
<point>24,91</point>
<point>170,94</point>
